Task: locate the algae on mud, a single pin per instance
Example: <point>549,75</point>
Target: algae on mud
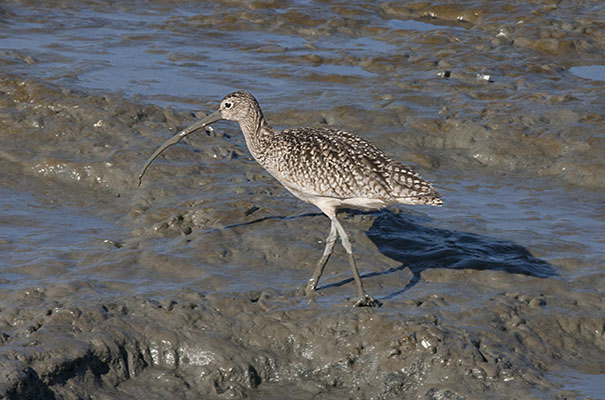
<point>110,292</point>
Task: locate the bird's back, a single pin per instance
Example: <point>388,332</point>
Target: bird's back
<point>322,163</point>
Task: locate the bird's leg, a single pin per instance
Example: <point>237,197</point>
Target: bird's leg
<point>330,241</point>
<point>365,300</point>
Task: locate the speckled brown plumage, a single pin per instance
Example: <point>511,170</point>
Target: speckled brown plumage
<point>327,163</point>
<point>331,163</point>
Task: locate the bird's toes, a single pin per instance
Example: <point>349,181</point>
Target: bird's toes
<point>310,289</point>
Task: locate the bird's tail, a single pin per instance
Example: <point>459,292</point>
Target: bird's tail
<point>433,198</point>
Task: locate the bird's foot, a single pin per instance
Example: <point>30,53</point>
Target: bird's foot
<point>311,295</point>
<point>310,290</point>
<point>366,300</point>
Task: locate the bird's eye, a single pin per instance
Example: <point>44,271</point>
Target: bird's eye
<point>228,105</point>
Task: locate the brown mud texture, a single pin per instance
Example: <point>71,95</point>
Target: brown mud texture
<point>192,286</point>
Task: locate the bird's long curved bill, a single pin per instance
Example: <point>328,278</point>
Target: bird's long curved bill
<point>215,116</point>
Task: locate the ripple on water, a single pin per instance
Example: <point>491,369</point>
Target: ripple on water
<point>43,240</point>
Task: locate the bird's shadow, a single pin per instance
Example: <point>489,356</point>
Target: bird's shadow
<point>405,239</point>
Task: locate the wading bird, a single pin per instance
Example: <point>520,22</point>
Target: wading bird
<point>328,168</point>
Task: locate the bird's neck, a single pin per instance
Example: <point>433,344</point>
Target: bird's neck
<point>257,133</point>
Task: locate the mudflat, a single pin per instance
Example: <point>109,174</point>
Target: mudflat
<point>191,286</point>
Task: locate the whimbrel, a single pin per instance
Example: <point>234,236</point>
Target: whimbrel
<point>328,168</point>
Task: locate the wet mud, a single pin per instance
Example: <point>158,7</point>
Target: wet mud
<point>191,286</point>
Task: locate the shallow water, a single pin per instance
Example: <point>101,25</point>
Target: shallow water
<point>191,284</point>
<point>587,385</point>
<point>595,72</point>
